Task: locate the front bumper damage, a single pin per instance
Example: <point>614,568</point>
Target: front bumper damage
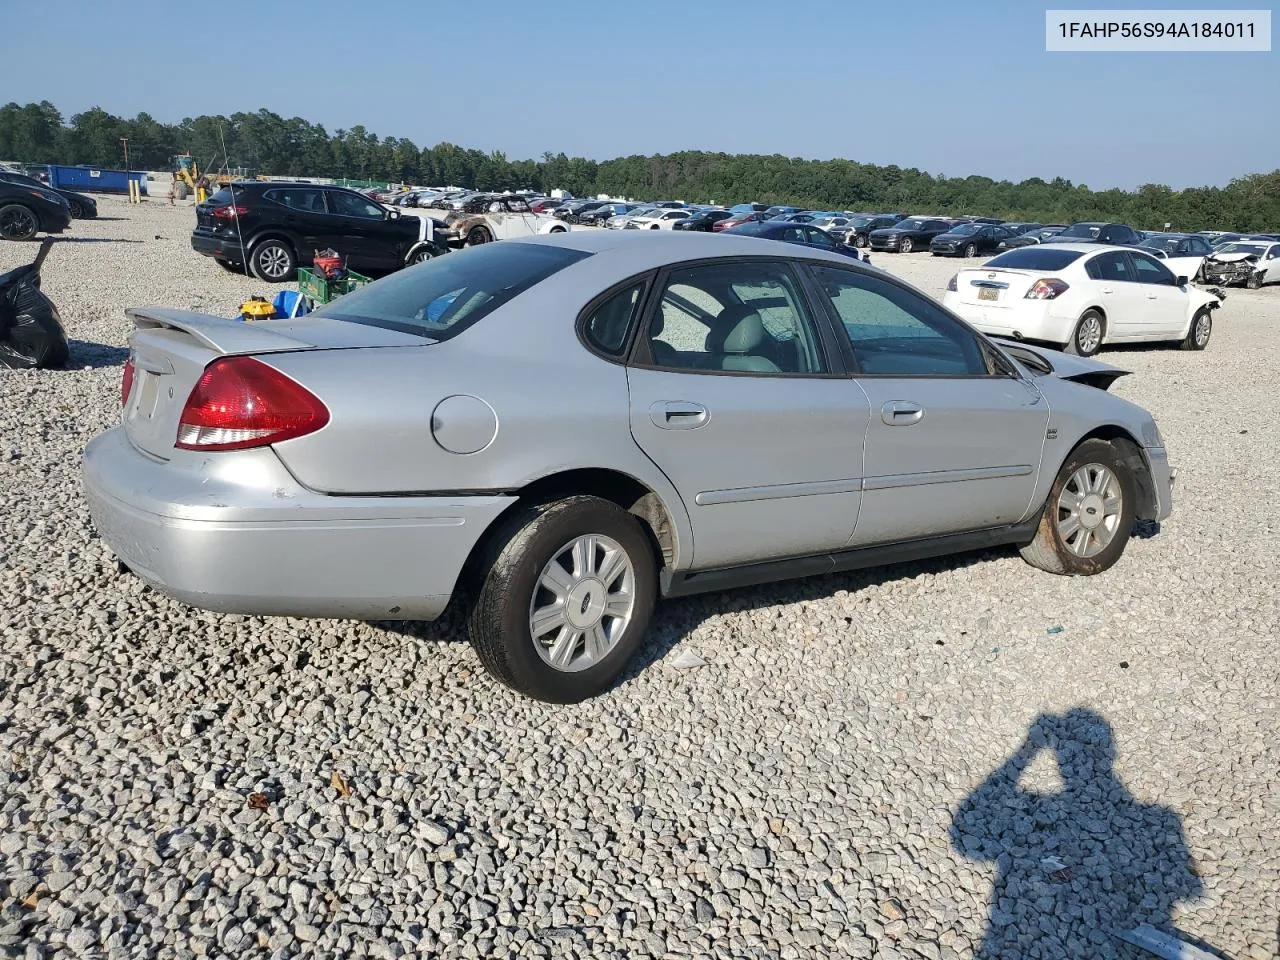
<point>1231,272</point>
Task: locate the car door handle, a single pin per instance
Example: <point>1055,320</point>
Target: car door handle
<point>678,414</point>
<point>901,413</point>
<point>1107,290</point>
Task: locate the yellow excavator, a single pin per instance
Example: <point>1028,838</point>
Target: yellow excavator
<point>188,181</point>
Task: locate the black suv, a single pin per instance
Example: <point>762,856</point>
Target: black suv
<point>273,227</point>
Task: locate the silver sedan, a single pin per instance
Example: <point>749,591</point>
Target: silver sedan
<point>562,430</point>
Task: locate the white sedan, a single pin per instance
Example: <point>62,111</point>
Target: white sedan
<point>660,218</point>
<point>1082,295</point>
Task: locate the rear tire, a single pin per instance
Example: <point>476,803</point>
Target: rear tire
<point>273,261</point>
<point>547,543</point>
<point>1086,338</point>
<point>1199,332</point>
<point>477,236</point>
<point>1089,514</point>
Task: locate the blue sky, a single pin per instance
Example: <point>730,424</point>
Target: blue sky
<point>951,88</point>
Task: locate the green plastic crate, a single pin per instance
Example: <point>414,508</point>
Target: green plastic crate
<point>316,288</point>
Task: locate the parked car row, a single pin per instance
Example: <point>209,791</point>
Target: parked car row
<point>270,238</point>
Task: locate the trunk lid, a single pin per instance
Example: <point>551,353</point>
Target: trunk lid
<point>994,287</point>
<point>171,349</point>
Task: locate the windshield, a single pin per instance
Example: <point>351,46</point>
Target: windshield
<point>1034,258</point>
<point>911,223</point>
<point>442,297</point>
<point>1256,248</point>
<point>1089,231</point>
<point>1167,244</point>
<point>966,228</point>
<point>755,228</point>
<point>22,179</point>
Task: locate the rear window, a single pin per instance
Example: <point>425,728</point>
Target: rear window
<point>221,197</point>
<point>442,297</point>
<point>1035,258</point>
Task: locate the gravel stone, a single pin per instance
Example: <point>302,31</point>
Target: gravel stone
<point>909,735</point>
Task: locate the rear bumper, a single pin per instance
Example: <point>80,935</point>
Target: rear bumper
<point>1029,320</point>
<point>247,538</point>
<point>220,247</point>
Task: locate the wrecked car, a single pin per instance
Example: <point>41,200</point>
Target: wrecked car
<point>1250,263</point>
<point>496,217</point>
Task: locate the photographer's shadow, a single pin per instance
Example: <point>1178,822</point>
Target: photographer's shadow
<point>1075,866</point>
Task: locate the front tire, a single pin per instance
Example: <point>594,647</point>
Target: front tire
<point>477,236</point>
<point>1199,332</point>
<point>971,250</point>
<point>1089,514</point>
<point>860,241</point>
<point>1086,338</point>
<point>18,222</point>
<point>272,261</point>
<point>77,210</point>
<point>566,599</point>
<point>905,245</point>
<point>1254,282</point>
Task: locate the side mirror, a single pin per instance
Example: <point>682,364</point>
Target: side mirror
<point>393,214</point>
<point>1181,282</point>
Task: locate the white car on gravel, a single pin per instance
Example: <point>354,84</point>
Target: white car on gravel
<point>1082,295</point>
<point>658,219</point>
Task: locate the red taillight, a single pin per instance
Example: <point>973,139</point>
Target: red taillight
<point>126,381</point>
<point>240,402</point>
<point>1046,290</point>
<point>951,284</point>
<point>229,212</point>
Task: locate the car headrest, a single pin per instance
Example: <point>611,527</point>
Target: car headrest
<point>738,329</point>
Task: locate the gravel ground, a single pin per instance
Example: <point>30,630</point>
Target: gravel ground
<point>880,780</point>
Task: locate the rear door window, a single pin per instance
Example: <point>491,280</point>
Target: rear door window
<point>307,201</point>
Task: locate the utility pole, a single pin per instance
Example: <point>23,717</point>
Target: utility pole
<point>124,142</point>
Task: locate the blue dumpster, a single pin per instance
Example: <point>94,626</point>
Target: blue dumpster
<point>95,179</point>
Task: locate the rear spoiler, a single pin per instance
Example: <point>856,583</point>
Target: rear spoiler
<point>225,336</point>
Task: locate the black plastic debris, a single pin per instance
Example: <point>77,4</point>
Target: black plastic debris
<point>31,334</point>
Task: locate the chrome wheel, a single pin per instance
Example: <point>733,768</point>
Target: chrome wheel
<point>1089,334</point>
<point>273,262</point>
<point>1089,510</point>
<point>583,602</point>
<point>971,250</point>
<point>905,245</point>
<point>1204,325</point>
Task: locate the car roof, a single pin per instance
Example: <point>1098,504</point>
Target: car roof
<point>1091,247</point>
<point>627,252</point>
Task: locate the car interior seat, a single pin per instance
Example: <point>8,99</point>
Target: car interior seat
<point>739,338</point>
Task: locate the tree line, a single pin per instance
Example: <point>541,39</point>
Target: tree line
<point>264,142</point>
